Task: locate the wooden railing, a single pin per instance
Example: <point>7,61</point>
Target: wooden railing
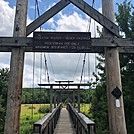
<point>47,124</point>
<point>82,124</point>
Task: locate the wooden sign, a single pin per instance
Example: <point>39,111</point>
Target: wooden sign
<point>62,41</point>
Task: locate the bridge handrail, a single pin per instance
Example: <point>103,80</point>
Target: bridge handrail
<point>47,123</point>
<point>82,123</point>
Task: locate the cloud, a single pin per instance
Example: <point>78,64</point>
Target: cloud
<point>4,60</point>
<point>50,6</point>
<point>6,29</point>
<point>39,0</point>
<point>73,22</point>
<point>7,18</point>
<point>60,67</point>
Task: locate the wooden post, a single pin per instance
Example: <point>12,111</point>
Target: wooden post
<point>58,100</point>
<point>78,98</point>
<point>51,97</point>
<point>117,124</point>
<point>12,122</point>
<point>55,99</point>
<point>59,97</point>
<point>73,98</point>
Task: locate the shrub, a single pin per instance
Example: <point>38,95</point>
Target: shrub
<point>31,107</point>
<point>44,109</point>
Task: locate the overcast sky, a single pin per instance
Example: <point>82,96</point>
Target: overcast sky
<point>60,66</point>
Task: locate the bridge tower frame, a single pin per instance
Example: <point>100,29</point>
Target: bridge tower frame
<point>116,114</point>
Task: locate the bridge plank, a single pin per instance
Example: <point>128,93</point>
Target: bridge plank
<point>64,124</point>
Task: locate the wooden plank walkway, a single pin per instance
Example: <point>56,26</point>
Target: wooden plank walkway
<point>64,124</point>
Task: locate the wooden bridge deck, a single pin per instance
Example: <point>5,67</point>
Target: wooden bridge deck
<point>64,124</point>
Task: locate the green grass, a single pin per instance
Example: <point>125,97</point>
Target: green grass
<point>85,108</point>
<point>29,115</point>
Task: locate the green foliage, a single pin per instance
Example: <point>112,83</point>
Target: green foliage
<point>26,124</point>
<point>44,109</point>
<point>99,110</point>
<point>4,75</point>
<point>31,107</point>
<point>35,96</point>
<point>28,117</point>
<point>85,96</point>
<point>125,18</point>
<point>85,108</point>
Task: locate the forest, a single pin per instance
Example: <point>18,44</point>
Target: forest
<point>99,109</point>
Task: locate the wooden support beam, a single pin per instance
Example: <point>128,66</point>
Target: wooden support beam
<point>73,98</point>
<point>67,89</point>
<point>65,84</point>
<point>46,16</point>
<point>117,123</point>
<point>112,42</point>
<point>97,44</point>
<point>55,99</point>
<point>12,122</point>
<point>58,99</point>
<point>78,99</point>
<point>16,42</point>
<point>101,19</point>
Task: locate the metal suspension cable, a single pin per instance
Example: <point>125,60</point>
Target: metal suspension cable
<point>40,82</point>
<point>83,67</point>
<point>77,66</point>
<point>32,110</point>
<point>95,53</point>
<point>93,3</point>
<point>38,10</point>
<point>46,67</point>
<point>85,53</point>
<point>88,66</point>
<point>90,18</point>
<point>38,13</point>
<point>37,5</point>
<point>51,65</point>
<point>40,67</point>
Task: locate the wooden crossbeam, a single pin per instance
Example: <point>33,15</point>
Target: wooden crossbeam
<point>101,19</point>
<point>113,42</point>
<point>46,16</point>
<point>66,89</point>
<point>64,84</point>
<point>98,44</point>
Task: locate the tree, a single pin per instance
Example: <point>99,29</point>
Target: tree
<point>4,76</point>
<point>99,109</point>
<point>125,19</point>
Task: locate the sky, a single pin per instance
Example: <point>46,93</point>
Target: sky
<point>60,66</point>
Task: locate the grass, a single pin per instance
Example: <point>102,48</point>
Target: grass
<point>85,108</point>
<point>29,115</point>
